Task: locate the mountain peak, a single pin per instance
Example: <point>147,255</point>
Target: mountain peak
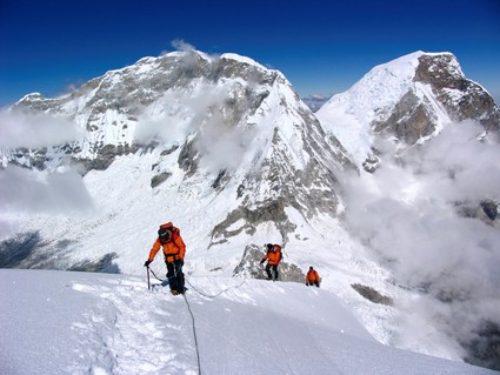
<point>410,98</point>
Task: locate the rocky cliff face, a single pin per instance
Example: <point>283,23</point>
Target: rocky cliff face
<point>414,117</point>
<point>410,99</point>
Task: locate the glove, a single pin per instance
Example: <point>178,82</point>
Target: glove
<point>147,263</point>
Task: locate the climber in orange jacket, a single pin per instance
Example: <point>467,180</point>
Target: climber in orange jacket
<point>174,250</point>
<point>312,277</point>
<point>273,257</point>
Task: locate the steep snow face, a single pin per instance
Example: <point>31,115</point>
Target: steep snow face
<point>411,99</point>
<point>68,322</point>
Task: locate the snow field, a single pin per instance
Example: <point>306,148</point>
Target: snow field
<point>82,323</point>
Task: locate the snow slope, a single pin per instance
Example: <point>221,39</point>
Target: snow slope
<point>348,115</point>
<point>55,322</point>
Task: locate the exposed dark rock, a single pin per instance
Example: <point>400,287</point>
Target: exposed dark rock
<point>188,158</point>
<point>372,295</point>
<point>409,120</point>
<point>310,190</point>
<point>159,178</point>
<point>27,250</point>
<point>250,266</point>
<point>13,252</point>
<point>104,157</point>
<point>168,151</point>
<point>105,265</point>
<point>414,116</point>
<point>273,211</point>
<point>490,209</point>
<point>484,349</point>
<point>487,210</point>
<point>440,71</point>
<point>240,190</point>
<point>371,163</point>
<point>443,73</point>
<point>221,179</point>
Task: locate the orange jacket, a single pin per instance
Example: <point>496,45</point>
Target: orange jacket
<point>175,249</point>
<point>274,256</point>
<point>313,277</point>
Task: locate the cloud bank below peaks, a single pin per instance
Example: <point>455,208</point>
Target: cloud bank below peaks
<point>24,190</point>
<point>410,213</point>
<point>19,129</point>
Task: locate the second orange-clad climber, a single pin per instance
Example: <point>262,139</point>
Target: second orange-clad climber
<point>273,257</point>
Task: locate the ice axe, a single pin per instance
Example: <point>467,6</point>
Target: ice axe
<point>149,283</point>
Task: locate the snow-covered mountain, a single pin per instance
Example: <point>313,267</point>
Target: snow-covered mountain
<point>222,132</point>
<point>82,323</point>
<point>426,200</point>
<point>411,99</point>
<point>225,149</point>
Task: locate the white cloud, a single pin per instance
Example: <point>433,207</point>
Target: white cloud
<point>19,129</point>
<point>34,191</point>
<point>203,110</point>
<point>408,213</point>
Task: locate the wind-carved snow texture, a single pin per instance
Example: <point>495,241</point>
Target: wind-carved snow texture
<point>116,339</point>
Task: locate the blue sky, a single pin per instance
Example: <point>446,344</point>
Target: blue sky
<point>322,47</point>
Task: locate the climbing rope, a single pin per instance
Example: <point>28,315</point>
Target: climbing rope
<point>156,277</point>
<point>191,311</point>
<point>199,291</point>
<point>192,320</point>
<point>192,315</point>
<point>194,333</point>
<point>217,294</point>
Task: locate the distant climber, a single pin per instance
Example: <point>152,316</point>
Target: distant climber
<point>312,277</point>
<point>273,257</point>
<point>174,249</point>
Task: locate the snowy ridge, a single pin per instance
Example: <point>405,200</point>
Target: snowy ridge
<point>380,88</point>
<point>103,324</point>
<point>349,115</point>
<point>411,98</point>
<point>242,59</point>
